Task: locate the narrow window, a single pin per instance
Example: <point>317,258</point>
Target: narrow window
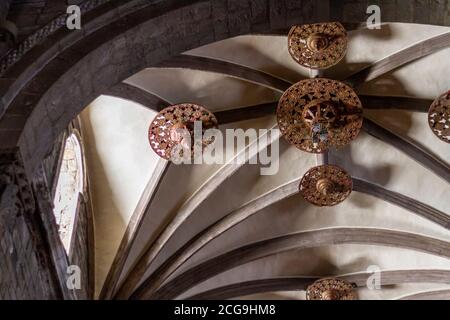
<point>68,189</point>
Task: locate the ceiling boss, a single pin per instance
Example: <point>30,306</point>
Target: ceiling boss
<point>171,131</point>
<point>325,185</point>
<point>439,117</point>
<point>331,289</point>
<point>317,114</point>
<point>319,45</point>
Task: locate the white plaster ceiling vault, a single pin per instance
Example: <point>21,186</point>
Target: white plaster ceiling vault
<point>121,164</point>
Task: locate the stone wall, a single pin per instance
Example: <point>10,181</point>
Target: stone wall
<point>26,269</point>
<point>4,8</point>
<point>30,15</point>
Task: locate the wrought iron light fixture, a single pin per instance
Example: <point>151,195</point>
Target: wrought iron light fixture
<point>171,125</point>
<point>316,114</point>
<point>325,185</point>
<point>439,117</point>
<point>318,45</point>
<point>331,289</point>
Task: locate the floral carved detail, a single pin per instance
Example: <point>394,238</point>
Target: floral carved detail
<point>316,114</point>
<point>326,185</point>
<point>439,117</point>
<point>331,289</point>
<point>319,45</point>
<point>174,126</point>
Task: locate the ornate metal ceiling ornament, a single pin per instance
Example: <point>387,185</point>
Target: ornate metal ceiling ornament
<point>331,289</point>
<point>316,114</point>
<point>439,117</point>
<point>326,185</point>
<point>174,126</point>
<point>318,45</point>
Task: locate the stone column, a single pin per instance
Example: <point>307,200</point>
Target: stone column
<point>26,267</point>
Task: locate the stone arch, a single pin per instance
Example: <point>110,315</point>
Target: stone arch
<point>123,38</point>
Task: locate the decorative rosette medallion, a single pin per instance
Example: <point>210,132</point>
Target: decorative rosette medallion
<point>171,132</point>
<point>326,185</point>
<point>331,289</point>
<point>316,114</point>
<point>318,45</point>
<point>439,117</point>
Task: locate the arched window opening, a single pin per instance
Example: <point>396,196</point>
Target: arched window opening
<point>68,189</point>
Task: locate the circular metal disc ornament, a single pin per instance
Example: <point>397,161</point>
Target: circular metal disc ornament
<point>439,117</point>
<point>174,126</point>
<point>326,185</point>
<point>331,289</point>
<point>319,45</point>
<point>316,114</point>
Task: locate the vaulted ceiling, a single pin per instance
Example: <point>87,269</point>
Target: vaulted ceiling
<point>168,231</point>
<point>225,231</point>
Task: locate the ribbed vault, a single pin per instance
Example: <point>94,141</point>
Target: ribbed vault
<point>224,230</point>
<point>151,271</point>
